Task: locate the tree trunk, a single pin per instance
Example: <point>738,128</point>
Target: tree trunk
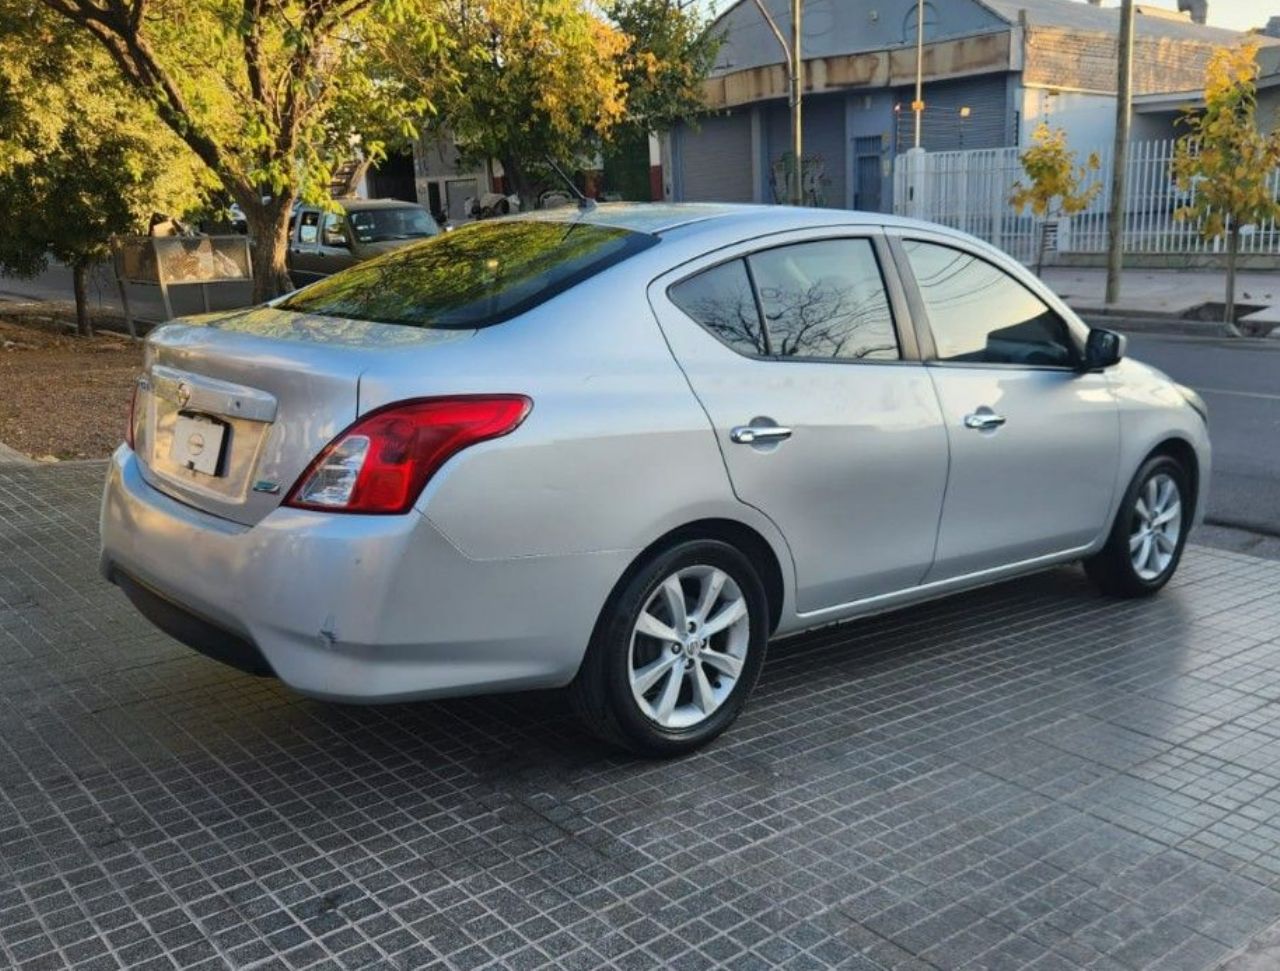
<point>269,232</point>
<point>1044,244</point>
<point>518,181</point>
<point>84,327</point>
<point>1229,311</point>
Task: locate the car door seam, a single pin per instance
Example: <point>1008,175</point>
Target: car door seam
<point>946,481</point>
<point>715,437</point>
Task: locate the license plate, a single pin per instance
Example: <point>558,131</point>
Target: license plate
<point>197,443</point>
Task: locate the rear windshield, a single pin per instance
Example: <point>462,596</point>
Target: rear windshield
<point>478,275</point>
<point>380,225</point>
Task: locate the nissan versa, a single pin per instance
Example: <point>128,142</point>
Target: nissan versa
<point>621,449</point>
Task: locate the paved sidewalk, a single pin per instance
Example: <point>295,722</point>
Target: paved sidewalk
<point>1159,292</point>
<point>1027,777</point>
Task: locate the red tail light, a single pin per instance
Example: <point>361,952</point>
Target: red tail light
<point>382,462</point>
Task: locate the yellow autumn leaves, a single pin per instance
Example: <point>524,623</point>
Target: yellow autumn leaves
<point>1055,184</point>
<point>1224,161</point>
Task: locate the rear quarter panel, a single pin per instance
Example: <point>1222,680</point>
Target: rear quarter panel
<point>616,451</point>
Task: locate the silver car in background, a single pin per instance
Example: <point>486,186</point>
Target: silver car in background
<point>619,450</point>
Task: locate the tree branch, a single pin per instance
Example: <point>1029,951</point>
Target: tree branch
<point>252,36</point>
<point>114,27</point>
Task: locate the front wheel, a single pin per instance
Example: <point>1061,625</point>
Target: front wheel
<point>1146,541</point>
<point>676,651</point>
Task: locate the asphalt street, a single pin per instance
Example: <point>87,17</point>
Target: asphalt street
<point>1240,381</point>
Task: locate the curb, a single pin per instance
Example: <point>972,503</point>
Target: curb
<point>1154,323</point>
<point>1174,326</point>
<point>1244,526</point>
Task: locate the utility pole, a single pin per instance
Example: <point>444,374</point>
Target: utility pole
<point>791,55</point>
<point>797,96</point>
<point>1120,154</point>
<point>918,105</point>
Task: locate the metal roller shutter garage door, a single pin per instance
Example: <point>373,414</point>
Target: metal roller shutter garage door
<point>716,159</point>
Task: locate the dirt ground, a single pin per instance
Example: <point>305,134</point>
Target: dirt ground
<point>61,396</point>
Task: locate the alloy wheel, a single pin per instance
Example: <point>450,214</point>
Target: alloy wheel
<point>1156,526</point>
<point>688,646</point>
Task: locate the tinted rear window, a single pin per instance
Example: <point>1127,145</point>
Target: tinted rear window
<point>475,276</point>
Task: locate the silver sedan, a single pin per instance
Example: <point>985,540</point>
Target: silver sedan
<point>620,450</point>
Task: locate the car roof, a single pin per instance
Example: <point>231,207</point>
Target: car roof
<point>358,205</point>
<point>694,218</point>
<point>640,217</point>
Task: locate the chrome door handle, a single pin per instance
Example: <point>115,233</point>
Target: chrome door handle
<point>984,420</point>
<point>756,434</point>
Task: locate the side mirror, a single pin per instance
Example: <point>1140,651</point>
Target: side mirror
<point>1103,348</point>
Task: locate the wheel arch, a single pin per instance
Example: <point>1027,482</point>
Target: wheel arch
<point>1184,453</point>
<point>746,539</point>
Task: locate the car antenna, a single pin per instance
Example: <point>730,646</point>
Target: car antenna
<point>585,203</point>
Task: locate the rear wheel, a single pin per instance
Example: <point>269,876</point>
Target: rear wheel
<point>676,651</point>
<point>1149,533</point>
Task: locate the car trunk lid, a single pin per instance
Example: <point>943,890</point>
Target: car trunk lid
<point>231,408</point>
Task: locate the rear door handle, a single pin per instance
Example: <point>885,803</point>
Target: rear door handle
<point>982,420</point>
<point>756,434</point>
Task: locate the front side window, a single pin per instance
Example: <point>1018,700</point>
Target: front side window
<point>478,275</point>
<point>825,300</point>
<point>978,314</point>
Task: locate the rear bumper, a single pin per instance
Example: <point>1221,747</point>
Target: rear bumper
<point>349,608</point>
<point>191,629</point>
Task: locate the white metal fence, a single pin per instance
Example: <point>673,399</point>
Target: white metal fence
<point>970,191</point>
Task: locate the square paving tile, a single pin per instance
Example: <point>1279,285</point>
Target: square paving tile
<point>1023,777</point>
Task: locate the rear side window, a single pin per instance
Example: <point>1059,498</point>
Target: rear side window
<point>310,227</point>
<point>978,314</point>
<point>825,300</point>
<point>720,299</point>
<point>820,301</point>
<point>479,275</point>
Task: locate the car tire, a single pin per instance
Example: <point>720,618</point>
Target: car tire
<point>660,695</point>
<point>1144,548</point>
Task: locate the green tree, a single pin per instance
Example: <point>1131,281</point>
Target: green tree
<point>1055,185</point>
<point>264,92</point>
<point>81,160</point>
<point>1224,160</point>
<point>526,80</point>
<point>522,81</point>
<point>669,54</point>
